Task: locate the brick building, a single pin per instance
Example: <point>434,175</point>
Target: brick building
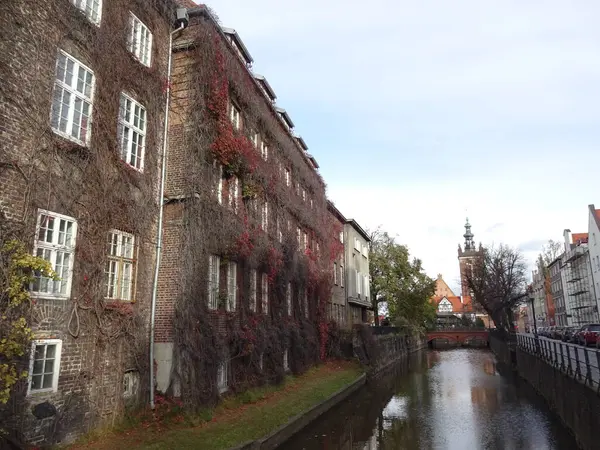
<point>243,284</point>
<point>82,105</point>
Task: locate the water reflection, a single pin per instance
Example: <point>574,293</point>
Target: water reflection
<point>457,399</point>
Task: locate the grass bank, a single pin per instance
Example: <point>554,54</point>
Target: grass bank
<point>237,419</point>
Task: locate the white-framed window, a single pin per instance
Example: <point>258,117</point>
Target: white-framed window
<point>279,232</point>
<point>131,381</point>
<point>264,216</point>
<point>366,286</point>
<point>359,283</point>
<point>254,138</point>
<point>304,241</point>
<point>91,8</point>
<point>303,194</point>
<point>223,375</point>
<point>342,237</point>
<point>54,242</point>
<point>71,111</point>
<point>261,360</point>
<point>286,365</point>
<point>335,274</point>
<point>253,280</point>
<point>218,170</point>
<point>365,250</point>
<point>214,264</point>
<point>264,150</point>
<point>311,203</point>
<point>288,177</point>
<point>44,365</point>
<point>357,244</point>
<point>234,193</point>
<point>235,116</point>
<point>265,293</point>
<point>132,132</point>
<point>288,299</point>
<point>341,275</point>
<point>231,286</point>
<point>140,40</point>
<point>299,237</point>
<point>120,266</point>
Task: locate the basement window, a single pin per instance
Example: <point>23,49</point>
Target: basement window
<point>223,376</point>
<point>91,8</point>
<point>71,112</point>
<point>44,365</point>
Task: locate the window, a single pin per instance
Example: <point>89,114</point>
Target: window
<point>366,286</point>
<point>253,278</point>
<point>342,237</point>
<point>218,170</point>
<point>265,293</point>
<point>288,177</point>
<point>254,139</point>
<point>286,366</point>
<point>120,267</point>
<point>223,375</point>
<point>261,361</point>
<point>132,131</point>
<point>140,40</point>
<point>54,242</point>
<point>71,112</point>
<point>231,286</point>
<point>279,232</point>
<point>264,150</point>
<point>91,8</point>
<point>311,203</point>
<point>341,275</point>
<point>304,305</point>
<point>304,241</point>
<point>356,244</point>
<point>335,281</point>
<point>303,194</point>
<point>235,116</point>
<point>44,365</point>
<point>288,299</point>
<point>131,381</point>
<point>214,263</point>
<point>234,193</point>
<point>264,217</point>
<point>298,237</point>
<point>358,282</point>
<point>365,250</point>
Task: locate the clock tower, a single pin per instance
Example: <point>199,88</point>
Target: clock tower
<point>467,257</point>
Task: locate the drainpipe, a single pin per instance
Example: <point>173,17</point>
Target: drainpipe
<point>163,174</point>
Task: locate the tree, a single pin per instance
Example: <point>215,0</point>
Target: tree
<point>550,251</point>
<point>499,282</point>
<point>400,281</point>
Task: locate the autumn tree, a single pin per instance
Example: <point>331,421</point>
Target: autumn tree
<point>400,282</point>
<point>498,282</point>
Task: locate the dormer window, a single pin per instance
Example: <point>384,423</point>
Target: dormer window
<point>285,117</point>
<point>237,44</point>
<point>235,116</point>
<point>264,150</point>
<point>265,87</point>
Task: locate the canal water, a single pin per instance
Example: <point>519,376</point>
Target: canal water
<point>450,399</point>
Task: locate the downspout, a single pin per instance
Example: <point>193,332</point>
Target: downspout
<point>161,212</point>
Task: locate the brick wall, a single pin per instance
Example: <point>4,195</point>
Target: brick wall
<point>39,169</point>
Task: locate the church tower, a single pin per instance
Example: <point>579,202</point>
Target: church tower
<point>467,257</point>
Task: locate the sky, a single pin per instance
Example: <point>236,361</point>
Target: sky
<point>423,113</point>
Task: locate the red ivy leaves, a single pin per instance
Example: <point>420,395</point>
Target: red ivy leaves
<point>275,264</point>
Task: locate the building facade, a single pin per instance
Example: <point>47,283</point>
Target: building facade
<point>594,249</point>
<point>338,307</point>
<point>467,257</point>
<point>538,286</point>
<point>245,278</point>
<point>580,301</point>
<point>82,106</point>
<point>358,290</point>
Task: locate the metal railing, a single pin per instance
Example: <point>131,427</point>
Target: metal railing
<point>578,362</point>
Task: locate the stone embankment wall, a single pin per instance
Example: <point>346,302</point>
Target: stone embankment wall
<point>378,351</point>
<point>577,405</point>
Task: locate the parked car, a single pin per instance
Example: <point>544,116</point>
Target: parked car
<point>569,334</point>
<point>557,332</point>
<point>588,334</point>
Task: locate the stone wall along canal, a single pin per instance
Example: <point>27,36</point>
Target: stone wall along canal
<point>455,399</point>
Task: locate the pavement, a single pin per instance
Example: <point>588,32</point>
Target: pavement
<point>558,353</point>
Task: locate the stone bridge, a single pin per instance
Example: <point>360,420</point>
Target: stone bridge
<point>457,337</point>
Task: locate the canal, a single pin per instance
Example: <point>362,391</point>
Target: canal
<point>454,399</point>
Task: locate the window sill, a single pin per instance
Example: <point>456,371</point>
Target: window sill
<point>70,138</point>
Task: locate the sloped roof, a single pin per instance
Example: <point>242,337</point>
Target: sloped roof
<point>457,305</point>
<point>442,288</point>
<point>583,237</point>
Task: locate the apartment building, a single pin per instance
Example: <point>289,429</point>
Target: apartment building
<point>338,307</point>
<point>594,249</point>
<point>244,279</point>
<point>82,103</point>
<point>580,299</point>
<point>557,291</point>
<point>356,251</point>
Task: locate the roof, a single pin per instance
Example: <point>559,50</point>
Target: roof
<point>579,237</point>
<point>595,214</point>
<point>285,116</point>
<point>457,305</point>
<point>354,224</point>
<point>313,160</point>
<point>235,37</point>
<point>336,212</point>
<point>301,142</point>
<point>442,288</point>
<point>266,86</point>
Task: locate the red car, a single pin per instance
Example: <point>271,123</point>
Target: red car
<point>588,334</point>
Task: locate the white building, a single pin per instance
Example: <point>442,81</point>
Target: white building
<point>594,250</point>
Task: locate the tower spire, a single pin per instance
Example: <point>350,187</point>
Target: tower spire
<point>469,244</point>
